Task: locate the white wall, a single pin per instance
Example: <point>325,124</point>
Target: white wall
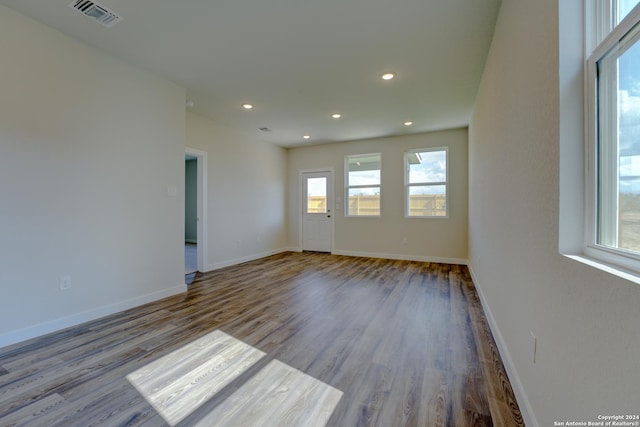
<point>586,322</point>
<point>88,147</point>
<point>427,239</point>
<point>246,193</point>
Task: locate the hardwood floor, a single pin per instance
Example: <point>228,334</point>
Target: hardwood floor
<point>407,344</point>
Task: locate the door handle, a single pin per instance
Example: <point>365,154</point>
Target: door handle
<point>328,216</point>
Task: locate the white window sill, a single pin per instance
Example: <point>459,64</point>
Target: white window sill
<point>607,268</point>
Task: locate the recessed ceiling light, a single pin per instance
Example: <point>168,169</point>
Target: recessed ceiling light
<point>388,76</point>
<point>336,115</point>
<point>306,137</point>
<point>408,123</point>
<point>247,106</point>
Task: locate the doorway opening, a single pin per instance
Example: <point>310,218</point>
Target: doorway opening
<point>195,214</point>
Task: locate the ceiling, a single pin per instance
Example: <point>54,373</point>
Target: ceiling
<point>299,61</point>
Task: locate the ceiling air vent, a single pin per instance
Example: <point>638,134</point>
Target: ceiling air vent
<point>96,12</point>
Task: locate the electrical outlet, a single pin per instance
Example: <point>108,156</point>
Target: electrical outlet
<point>405,241</point>
<point>65,283</point>
<point>532,347</point>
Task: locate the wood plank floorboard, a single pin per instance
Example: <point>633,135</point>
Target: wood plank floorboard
<point>378,343</point>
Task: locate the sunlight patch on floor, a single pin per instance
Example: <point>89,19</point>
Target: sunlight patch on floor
<point>180,382</point>
<point>278,395</point>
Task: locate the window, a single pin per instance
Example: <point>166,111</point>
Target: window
<point>613,132</point>
<point>363,184</point>
<point>426,183</point>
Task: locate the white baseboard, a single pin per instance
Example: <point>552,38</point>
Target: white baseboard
<point>24,334</point>
<point>253,257</point>
<point>440,260</point>
<point>521,396</point>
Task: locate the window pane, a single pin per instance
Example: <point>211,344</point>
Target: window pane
<point>364,170</point>
<point>317,195</point>
<point>364,178</point>
<point>629,149</point>
<point>624,7</point>
<point>619,146</point>
<point>427,166</point>
<point>427,200</point>
<point>364,201</point>
<point>369,162</point>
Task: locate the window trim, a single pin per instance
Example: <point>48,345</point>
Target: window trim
<point>408,185</point>
<point>601,18</point>
<point>348,187</point>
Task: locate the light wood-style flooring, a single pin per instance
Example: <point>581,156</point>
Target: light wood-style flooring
<point>397,343</point>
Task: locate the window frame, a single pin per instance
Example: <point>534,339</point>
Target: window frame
<point>348,185</point>
<point>602,34</point>
<point>408,184</point>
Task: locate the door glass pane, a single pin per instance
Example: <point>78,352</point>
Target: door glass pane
<point>317,195</point>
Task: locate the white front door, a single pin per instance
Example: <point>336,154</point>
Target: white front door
<point>317,212</point>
